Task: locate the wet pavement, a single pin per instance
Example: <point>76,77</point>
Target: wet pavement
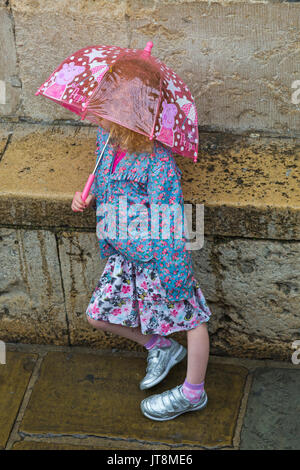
<point>80,398</point>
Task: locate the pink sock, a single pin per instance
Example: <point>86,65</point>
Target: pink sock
<point>192,392</point>
<point>158,341</point>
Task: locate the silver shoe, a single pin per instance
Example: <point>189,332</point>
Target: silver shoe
<point>170,404</point>
<point>160,361</point>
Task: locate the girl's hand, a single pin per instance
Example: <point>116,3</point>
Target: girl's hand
<point>78,205</point>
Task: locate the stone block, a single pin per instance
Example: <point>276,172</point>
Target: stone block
<point>79,394</point>
<point>31,296</point>
<point>272,417</point>
<point>243,195</point>
<point>14,378</point>
<point>41,169</point>
<point>50,31</point>
<point>81,269</point>
<point>236,57</point>
<point>258,289</point>
<point>11,85</point>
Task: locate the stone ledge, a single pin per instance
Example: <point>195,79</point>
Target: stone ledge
<point>249,185</point>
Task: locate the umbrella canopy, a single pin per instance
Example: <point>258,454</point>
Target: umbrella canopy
<point>129,87</point>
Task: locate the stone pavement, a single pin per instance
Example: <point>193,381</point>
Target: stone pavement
<point>54,397</point>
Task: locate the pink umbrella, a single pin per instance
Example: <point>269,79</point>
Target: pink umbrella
<point>129,87</point>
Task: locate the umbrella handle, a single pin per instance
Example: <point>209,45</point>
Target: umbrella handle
<point>87,187</point>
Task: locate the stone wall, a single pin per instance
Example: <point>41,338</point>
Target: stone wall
<point>248,267</point>
<point>239,58</point>
<point>252,288</point>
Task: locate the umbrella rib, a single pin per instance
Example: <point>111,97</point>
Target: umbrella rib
<point>157,108</point>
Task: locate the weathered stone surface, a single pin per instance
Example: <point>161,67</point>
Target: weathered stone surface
<point>231,55</point>
<point>44,161</point>
<point>9,73</point>
<point>41,169</point>
<point>48,32</point>
<point>31,296</point>
<point>3,142</point>
<point>250,187</point>
<point>251,286</point>
<point>14,378</point>
<point>237,179</point>
<point>255,297</point>
<point>273,410</point>
<point>238,58</point>
<point>81,269</point>
<point>99,396</point>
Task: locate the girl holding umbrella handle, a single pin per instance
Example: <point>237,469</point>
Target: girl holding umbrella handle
<point>147,290</point>
<point>136,294</point>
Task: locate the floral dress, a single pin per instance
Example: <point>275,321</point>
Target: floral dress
<point>150,283</point>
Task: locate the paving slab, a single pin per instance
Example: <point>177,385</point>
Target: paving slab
<point>36,445</point>
<point>14,378</point>
<point>272,419</point>
<point>103,444</point>
<point>79,394</point>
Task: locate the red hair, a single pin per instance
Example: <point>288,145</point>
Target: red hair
<point>127,139</point>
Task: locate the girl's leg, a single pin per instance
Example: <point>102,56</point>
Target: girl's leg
<point>134,334</point>
<point>198,353</point>
<point>170,404</point>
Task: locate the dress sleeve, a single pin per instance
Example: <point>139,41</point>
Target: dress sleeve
<point>105,249</point>
<point>173,260</point>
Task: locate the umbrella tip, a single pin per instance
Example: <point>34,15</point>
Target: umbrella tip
<point>147,50</point>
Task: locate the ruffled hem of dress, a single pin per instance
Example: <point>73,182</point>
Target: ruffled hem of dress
<point>148,332</point>
<point>174,330</point>
<point>140,309</point>
<point>169,327</point>
<point>114,320</point>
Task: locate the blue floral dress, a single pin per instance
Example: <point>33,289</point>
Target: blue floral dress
<point>148,281</point>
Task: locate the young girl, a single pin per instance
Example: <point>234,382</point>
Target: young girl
<point>147,290</point>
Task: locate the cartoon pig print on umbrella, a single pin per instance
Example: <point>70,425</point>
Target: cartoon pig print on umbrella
<point>166,133</point>
<point>64,76</point>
